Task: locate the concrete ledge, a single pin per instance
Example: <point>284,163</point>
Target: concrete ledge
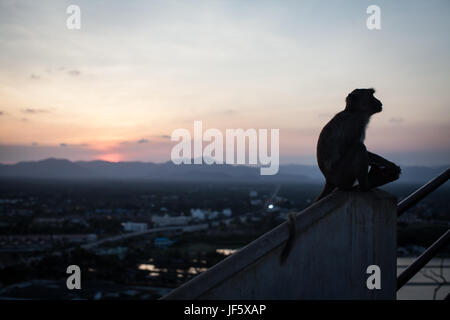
<point>337,239</point>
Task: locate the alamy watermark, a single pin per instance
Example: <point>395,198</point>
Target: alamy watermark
<point>74,280</point>
<point>73,21</point>
<point>374,280</point>
<point>213,152</point>
<point>373,22</point>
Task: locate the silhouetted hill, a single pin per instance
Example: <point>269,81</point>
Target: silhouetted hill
<point>64,169</point>
<point>410,174</point>
<point>48,168</point>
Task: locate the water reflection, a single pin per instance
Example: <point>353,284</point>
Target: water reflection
<point>226,252</point>
<point>154,271</point>
<point>151,267</point>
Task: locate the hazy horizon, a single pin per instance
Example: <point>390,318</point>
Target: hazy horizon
<point>204,164</point>
<point>115,89</point>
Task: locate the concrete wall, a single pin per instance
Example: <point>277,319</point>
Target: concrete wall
<point>337,239</point>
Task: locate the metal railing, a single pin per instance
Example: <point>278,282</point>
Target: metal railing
<point>421,261</point>
<point>422,192</point>
<point>428,254</point>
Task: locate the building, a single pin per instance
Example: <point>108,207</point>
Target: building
<point>134,226</point>
<point>166,220</point>
<point>227,212</point>
<point>117,251</point>
<point>213,215</point>
<point>198,214</point>
<point>163,242</point>
<point>255,202</point>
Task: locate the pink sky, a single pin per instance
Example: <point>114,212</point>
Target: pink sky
<point>116,89</point>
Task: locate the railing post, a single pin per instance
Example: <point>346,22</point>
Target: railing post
<point>339,240</point>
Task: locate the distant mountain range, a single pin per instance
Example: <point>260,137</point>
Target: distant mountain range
<point>65,169</point>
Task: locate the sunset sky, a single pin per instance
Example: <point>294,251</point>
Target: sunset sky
<point>137,70</point>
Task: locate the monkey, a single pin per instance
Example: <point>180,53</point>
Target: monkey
<point>342,156</point>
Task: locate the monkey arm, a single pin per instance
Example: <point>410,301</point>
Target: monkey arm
<point>382,171</point>
<point>377,160</point>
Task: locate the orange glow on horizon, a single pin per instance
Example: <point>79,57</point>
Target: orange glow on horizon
<point>111,157</point>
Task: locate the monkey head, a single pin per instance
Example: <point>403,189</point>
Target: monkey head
<point>362,100</point>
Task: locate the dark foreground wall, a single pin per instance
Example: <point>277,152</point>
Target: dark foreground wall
<point>337,239</point>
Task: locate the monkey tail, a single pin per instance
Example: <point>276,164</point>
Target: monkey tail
<point>288,246</point>
<point>327,189</point>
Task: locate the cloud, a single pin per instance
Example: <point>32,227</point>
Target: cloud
<point>35,77</point>
<point>53,69</point>
<point>143,141</point>
<point>33,111</point>
<point>34,144</point>
<point>396,120</point>
<point>1,113</point>
<point>80,145</point>
<point>74,73</point>
<point>165,136</point>
<point>229,112</point>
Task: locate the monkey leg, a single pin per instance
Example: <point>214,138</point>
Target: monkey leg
<point>379,161</point>
<point>353,165</point>
<point>379,176</point>
<point>362,166</point>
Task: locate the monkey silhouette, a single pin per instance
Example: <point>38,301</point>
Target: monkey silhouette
<point>342,156</point>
